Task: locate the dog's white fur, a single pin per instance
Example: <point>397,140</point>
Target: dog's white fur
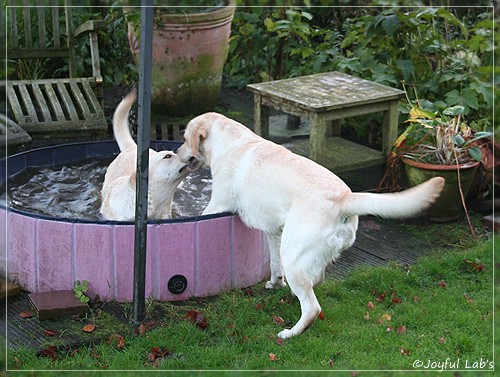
<point>166,171</point>
<point>309,214</point>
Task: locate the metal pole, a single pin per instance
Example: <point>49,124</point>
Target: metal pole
<point>143,137</point>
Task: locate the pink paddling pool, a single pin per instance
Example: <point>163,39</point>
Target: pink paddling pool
<point>186,257</point>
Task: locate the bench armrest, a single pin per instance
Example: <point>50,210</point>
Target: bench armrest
<point>92,27</point>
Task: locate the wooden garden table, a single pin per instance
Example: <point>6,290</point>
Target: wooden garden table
<point>324,99</point>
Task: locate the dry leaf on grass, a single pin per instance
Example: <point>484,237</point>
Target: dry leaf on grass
<point>88,328</point>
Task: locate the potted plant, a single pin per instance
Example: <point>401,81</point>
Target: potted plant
<point>441,143</point>
<point>190,47</point>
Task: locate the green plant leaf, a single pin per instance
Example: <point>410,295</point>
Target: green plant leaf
<point>454,111</point>
<point>458,139</point>
<point>390,24</point>
<point>475,153</point>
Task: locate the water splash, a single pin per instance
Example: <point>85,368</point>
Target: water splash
<point>74,191</point>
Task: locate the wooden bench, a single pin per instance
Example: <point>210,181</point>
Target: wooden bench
<point>324,99</point>
<point>48,107</point>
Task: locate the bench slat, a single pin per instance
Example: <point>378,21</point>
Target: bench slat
<point>54,102</point>
<point>42,104</point>
<point>81,102</point>
<point>67,101</point>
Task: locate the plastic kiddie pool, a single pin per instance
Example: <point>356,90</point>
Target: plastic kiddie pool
<point>186,257</point>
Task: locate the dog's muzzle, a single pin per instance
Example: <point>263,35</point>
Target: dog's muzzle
<point>192,164</point>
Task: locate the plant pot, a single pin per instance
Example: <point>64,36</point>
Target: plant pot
<point>448,207</point>
<point>189,53</point>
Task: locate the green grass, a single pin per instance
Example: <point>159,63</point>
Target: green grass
<point>446,308</point>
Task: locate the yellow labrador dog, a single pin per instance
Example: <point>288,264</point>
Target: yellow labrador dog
<point>309,214</point>
<point>166,171</point>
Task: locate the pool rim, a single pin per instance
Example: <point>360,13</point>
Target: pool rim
<point>154,144</point>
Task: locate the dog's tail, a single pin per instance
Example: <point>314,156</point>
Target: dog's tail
<point>402,204</point>
<point>120,122</point>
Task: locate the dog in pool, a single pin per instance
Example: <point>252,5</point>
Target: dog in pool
<point>308,213</point>
<point>166,171</point>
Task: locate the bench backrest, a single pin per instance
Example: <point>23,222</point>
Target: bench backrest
<point>41,31</point>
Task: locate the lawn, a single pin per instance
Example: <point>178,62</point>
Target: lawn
<point>439,310</point>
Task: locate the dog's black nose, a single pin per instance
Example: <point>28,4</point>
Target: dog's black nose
<point>192,163</point>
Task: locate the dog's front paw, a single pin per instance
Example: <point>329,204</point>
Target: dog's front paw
<point>285,334</point>
<point>280,283</point>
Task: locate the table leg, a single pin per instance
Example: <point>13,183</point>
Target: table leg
<point>390,127</point>
<point>317,138</point>
<point>292,122</point>
<point>261,117</point>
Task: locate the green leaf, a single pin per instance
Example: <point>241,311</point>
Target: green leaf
<point>446,15</point>
<point>406,67</point>
<point>453,111</point>
<point>458,139</point>
<point>470,98</point>
<point>269,24</point>
<point>390,24</point>
<point>475,153</point>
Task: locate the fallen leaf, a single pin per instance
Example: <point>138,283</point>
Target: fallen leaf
<point>144,328</point>
<point>50,352</point>
<point>404,351</point>
<point>371,305</point>
<point>367,316</point>
<point>416,299</point>
<point>51,332</point>
<point>469,299</point>
<point>117,341</point>
<point>322,315</point>
<point>477,267</point>
<point>249,292</point>
<point>443,284</point>
<point>397,300</point>
<point>88,328</point>
<point>26,314</point>
<point>401,329</point>
<point>388,329</point>
<point>280,341</point>
<point>278,320</point>
<point>331,362</point>
<point>381,297</point>
<point>157,354</point>
<point>197,318</point>
<point>385,317</point>
<point>272,356</point>
<point>442,340</point>
<point>258,306</point>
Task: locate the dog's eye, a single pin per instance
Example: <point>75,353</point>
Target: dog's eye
<point>168,155</point>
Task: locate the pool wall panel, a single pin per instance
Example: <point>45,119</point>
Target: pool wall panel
<point>55,256</point>
<point>94,258</point>
<point>176,256</point>
<point>123,252</point>
<point>22,251</point>
<point>213,256</point>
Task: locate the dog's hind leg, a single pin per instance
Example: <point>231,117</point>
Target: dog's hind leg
<point>277,278</point>
<point>302,286</point>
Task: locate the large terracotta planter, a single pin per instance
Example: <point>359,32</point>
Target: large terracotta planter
<point>448,207</point>
<point>189,53</point>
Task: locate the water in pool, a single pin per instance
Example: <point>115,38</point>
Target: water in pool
<point>74,191</point>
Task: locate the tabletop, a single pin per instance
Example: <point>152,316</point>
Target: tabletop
<point>326,91</point>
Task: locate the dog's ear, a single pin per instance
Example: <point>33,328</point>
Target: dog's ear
<point>132,180</point>
<point>198,135</point>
